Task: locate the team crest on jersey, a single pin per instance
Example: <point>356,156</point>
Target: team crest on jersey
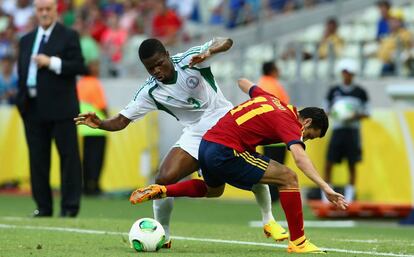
<point>192,82</point>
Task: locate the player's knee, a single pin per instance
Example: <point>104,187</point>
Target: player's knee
<point>215,192</point>
<point>291,178</point>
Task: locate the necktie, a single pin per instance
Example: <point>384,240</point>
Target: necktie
<point>42,44</point>
<point>38,48</point>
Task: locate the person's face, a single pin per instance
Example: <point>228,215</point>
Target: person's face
<point>309,133</point>
<point>94,68</point>
<point>7,66</point>
<point>347,77</point>
<point>22,3</point>
<point>331,27</point>
<point>395,24</point>
<point>46,12</point>
<point>275,72</point>
<point>113,21</point>
<point>160,66</point>
<point>159,6</point>
<point>384,10</point>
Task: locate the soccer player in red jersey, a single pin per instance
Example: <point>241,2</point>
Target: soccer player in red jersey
<point>227,155</point>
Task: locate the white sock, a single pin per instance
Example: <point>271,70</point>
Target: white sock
<point>349,193</point>
<point>262,194</point>
<point>162,213</point>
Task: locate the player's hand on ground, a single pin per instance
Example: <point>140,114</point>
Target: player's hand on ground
<point>337,199</point>
<point>89,119</point>
<point>199,58</point>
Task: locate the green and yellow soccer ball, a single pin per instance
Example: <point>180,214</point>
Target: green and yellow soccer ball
<point>343,110</point>
<point>147,235</point>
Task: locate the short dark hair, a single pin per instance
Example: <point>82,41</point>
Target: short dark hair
<point>268,68</point>
<point>384,3</point>
<point>332,20</point>
<point>318,116</point>
<point>8,58</point>
<point>149,47</point>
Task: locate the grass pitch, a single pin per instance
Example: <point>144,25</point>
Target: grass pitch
<point>201,228</point>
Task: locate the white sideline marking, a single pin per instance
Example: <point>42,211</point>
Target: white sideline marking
<point>102,232</point>
<point>313,224</point>
<point>376,241</point>
<point>12,218</point>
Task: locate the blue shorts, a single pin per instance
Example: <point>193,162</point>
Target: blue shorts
<point>221,164</point>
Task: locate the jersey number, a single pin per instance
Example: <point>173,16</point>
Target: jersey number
<point>254,112</point>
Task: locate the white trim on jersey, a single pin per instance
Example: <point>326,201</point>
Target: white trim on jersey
<point>194,95</point>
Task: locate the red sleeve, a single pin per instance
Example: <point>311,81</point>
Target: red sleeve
<point>255,91</point>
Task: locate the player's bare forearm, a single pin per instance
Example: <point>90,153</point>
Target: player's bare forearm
<point>90,119</point>
<point>245,85</point>
<point>220,45</point>
<point>115,123</point>
<point>306,166</point>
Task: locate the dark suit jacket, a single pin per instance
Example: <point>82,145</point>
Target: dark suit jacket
<point>56,94</point>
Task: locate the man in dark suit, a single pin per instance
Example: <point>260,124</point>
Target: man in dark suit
<point>49,60</point>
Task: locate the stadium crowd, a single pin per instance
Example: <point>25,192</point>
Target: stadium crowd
<point>110,29</point>
<point>109,25</point>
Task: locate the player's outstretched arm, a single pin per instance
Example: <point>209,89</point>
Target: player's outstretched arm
<point>245,85</point>
<point>90,119</point>
<point>306,166</point>
<point>219,45</point>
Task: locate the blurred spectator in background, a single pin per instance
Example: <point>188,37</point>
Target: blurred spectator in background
<point>394,44</point>
<point>90,48</point>
<point>383,28</point>
<point>128,18</point>
<point>6,21</point>
<point>330,45</point>
<point>112,6</point>
<point>235,8</point>
<point>113,40</point>
<point>68,15</point>
<point>49,60</point>
<point>166,24</point>
<point>345,141</point>
<point>92,99</point>
<point>8,81</point>
<point>242,12</point>
<point>184,8</point>
<point>270,83</point>
<point>95,21</point>
<point>330,41</point>
<point>280,6</point>
<point>8,41</point>
<point>8,6</point>
<point>22,11</point>
<point>217,13</point>
<point>309,3</point>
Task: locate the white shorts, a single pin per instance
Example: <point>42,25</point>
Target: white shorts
<point>191,138</point>
<point>190,142</point>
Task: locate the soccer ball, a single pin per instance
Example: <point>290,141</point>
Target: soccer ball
<point>147,235</point>
<point>343,110</point>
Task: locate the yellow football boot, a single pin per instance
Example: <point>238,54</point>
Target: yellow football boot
<point>305,247</point>
<point>274,230</point>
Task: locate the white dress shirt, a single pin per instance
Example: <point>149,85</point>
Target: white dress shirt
<point>55,62</point>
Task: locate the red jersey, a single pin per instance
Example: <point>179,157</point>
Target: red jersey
<point>262,120</point>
